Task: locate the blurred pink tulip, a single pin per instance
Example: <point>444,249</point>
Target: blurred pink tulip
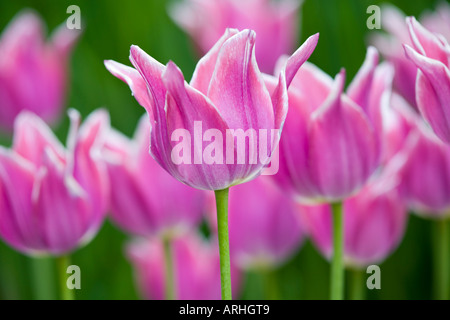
<point>426,175</point>
<point>263,223</point>
<point>330,144</point>
<point>227,94</point>
<point>431,55</point>
<point>53,199</point>
<point>275,23</point>
<point>375,221</point>
<point>390,46</point>
<point>196,263</point>
<point>145,198</point>
<point>33,72</point>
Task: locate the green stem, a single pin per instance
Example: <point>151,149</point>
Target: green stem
<point>337,265</point>
<point>442,262</point>
<point>42,277</point>
<point>62,263</point>
<point>224,247</point>
<point>170,273</point>
<point>357,291</point>
<point>271,285</point>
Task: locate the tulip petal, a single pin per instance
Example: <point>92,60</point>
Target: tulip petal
<point>299,57</point>
<point>16,184</point>
<point>60,206</point>
<point>205,67</point>
<point>433,92</point>
<point>237,88</point>
<point>340,168</point>
<point>88,167</point>
<point>134,80</point>
<point>427,43</point>
<point>186,106</point>
<point>32,136</point>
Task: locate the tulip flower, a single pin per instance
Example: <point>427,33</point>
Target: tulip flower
<point>140,201</point>
<point>331,143</point>
<point>426,175</point>
<point>275,23</point>
<point>375,221</point>
<point>211,108</point>
<point>425,188</point>
<point>227,100</point>
<point>330,147</point>
<point>53,199</point>
<point>431,56</point>
<point>33,71</point>
<point>197,268</point>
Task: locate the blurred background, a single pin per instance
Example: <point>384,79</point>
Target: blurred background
<point>110,27</point>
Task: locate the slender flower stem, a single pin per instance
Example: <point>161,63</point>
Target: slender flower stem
<point>42,277</point>
<point>170,273</point>
<point>442,261</point>
<point>62,263</point>
<point>337,265</point>
<point>357,291</point>
<point>271,285</point>
<point>224,246</point>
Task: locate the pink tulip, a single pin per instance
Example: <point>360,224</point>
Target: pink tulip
<point>431,55</point>
<point>197,269</point>
<point>426,175</point>
<point>227,94</point>
<point>53,199</point>
<point>33,73</point>
<point>275,23</point>
<point>330,145</point>
<point>375,221</point>
<point>140,201</point>
<point>263,223</point>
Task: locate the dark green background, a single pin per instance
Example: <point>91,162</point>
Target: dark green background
<point>111,27</point>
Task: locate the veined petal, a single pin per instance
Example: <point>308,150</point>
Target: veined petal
<point>237,88</point>
<point>135,81</point>
<point>16,215</point>
<point>342,144</point>
<point>60,207</point>
<point>205,67</point>
<point>88,167</point>
<point>427,43</point>
<point>186,108</point>
<point>433,92</point>
<point>151,70</point>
